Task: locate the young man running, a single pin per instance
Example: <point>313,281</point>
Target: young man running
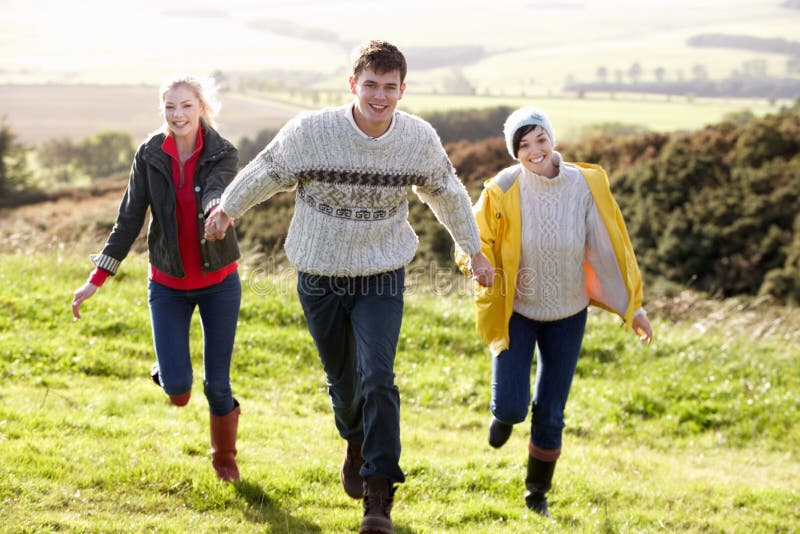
<point>350,241</point>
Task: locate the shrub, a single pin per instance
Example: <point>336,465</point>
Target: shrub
<point>13,165</point>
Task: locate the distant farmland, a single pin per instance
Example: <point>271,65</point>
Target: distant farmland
<point>39,112</point>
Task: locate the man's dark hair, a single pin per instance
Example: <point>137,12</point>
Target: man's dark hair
<point>381,57</point>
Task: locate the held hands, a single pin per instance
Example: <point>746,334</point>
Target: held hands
<point>481,269</point>
<point>82,293</point>
<point>642,328</point>
<point>217,224</point>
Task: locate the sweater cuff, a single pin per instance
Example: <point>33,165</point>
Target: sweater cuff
<point>229,211</point>
<point>106,263</point>
<point>213,203</point>
<point>98,276</point>
<point>472,247</point>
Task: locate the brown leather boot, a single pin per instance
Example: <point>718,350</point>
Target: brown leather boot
<point>223,444</point>
<point>378,499</point>
<point>350,474</point>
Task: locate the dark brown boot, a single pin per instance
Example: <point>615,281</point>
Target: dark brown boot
<point>223,444</point>
<point>350,475</point>
<point>378,499</point>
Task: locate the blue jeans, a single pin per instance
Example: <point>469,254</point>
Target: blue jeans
<point>355,323</point>
<point>559,344</point>
<point>171,315</point>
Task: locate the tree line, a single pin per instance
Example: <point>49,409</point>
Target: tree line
<point>735,86</point>
<point>751,79</point>
<point>773,45</point>
<point>29,175</point>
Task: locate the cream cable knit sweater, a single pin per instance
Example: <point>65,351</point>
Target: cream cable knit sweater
<point>561,227</point>
<point>351,204</point>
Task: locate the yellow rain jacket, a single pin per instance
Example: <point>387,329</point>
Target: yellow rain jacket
<point>498,215</point>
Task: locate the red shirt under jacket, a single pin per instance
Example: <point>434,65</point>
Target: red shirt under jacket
<point>186,215</point>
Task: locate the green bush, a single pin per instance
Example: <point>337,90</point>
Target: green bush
<point>97,156</point>
<point>105,153</point>
<point>469,124</point>
<point>14,171</point>
<point>715,209</point>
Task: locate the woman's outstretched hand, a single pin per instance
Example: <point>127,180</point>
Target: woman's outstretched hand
<point>481,269</point>
<point>642,328</point>
<point>82,293</point>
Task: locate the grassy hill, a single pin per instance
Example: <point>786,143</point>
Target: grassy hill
<point>695,433</point>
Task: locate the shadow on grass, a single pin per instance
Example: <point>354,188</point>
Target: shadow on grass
<point>263,509</point>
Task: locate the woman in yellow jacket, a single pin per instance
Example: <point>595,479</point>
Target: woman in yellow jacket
<point>558,243</point>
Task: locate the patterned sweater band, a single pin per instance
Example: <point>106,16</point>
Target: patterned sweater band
<point>214,202</point>
<point>107,263</point>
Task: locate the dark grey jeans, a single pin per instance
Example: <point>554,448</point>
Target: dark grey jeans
<point>355,322</point>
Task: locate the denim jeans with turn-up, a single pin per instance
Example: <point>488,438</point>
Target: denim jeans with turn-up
<point>355,322</point>
<point>559,344</point>
<point>171,313</point>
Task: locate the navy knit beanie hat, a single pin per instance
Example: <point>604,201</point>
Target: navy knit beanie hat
<point>526,116</point>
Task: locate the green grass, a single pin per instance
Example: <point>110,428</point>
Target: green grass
<point>696,433</point>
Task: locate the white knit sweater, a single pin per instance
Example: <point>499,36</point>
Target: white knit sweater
<point>561,227</point>
<point>351,204</point>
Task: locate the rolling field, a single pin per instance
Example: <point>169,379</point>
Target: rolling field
<point>533,47</point>
<point>571,115</point>
<point>526,49</point>
<point>695,433</point>
<point>38,113</point>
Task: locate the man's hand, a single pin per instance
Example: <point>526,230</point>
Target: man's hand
<point>481,269</point>
<point>217,224</point>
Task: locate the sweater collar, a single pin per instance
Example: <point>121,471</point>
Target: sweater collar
<point>350,109</point>
<point>544,180</point>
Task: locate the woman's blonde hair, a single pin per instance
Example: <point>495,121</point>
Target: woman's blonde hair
<point>205,89</point>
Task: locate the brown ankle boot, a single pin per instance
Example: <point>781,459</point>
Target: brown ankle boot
<point>223,444</point>
<point>350,474</point>
<point>378,499</point>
